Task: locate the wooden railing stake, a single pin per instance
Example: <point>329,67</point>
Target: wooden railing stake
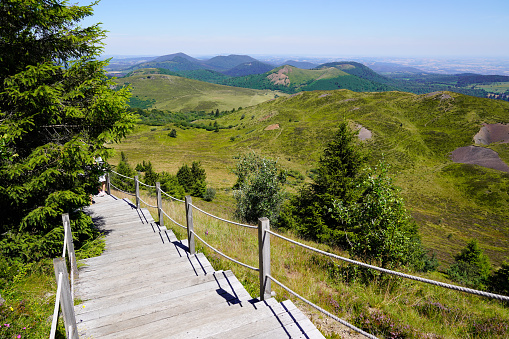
<point>70,250</point>
<point>108,185</point>
<point>159,204</point>
<point>189,219</point>
<point>264,257</point>
<point>66,302</point>
<point>137,190</point>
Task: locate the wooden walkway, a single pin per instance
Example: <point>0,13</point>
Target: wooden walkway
<point>145,285</point>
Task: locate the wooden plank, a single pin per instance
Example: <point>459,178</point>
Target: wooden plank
<point>145,285</point>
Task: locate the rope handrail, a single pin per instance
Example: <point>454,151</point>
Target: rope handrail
<point>112,171</point>
<point>118,189</point>
<point>218,218</point>
<point>399,274</point>
<point>173,220</point>
<point>224,255</point>
<point>171,196</point>
<point>141,183</point>
<point>347,324</point>
<point>146,203</point>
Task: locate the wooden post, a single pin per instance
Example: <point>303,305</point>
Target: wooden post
<point>66,302</point>
<point>264,257</point>
<point>159,204</point>
<point>108,186</point>
<point>137,190</point>
<point>70,250</point>
<point>189,219</point>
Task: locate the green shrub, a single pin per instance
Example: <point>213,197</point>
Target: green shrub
<point>471,267</point>
<point>499,281</point>
<point>210,194</point>
<point>259,188</point>
<point>171,185</point>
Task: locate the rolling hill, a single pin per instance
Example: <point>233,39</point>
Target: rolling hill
<point>174,93</point>
<point>451,202</point>
<point>247,72</point>
<point>291,79</point>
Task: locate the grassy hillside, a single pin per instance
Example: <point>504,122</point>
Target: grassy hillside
<point>168,92</point>
<point>451,203</point>
<point>291,79</point>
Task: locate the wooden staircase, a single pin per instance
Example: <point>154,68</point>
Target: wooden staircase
<point>146,285</point>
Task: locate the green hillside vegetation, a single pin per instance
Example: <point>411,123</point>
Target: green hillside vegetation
<point>228,62</point>
<point>451,203</point>
<point>291,79</point>
<point>175,93</point>
<point>244,71</point>
<point>248,68</point>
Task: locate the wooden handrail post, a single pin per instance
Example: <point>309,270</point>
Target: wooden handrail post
<point>189,219</point>
<point>137,191</point>
<point>66,302</point>
<point>108,185</point>
<point>70,250</point>
<point>264,257</point>
<point>159,204</point>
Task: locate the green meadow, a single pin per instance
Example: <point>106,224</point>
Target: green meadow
<point>452,203</point>
<point>173,93</point>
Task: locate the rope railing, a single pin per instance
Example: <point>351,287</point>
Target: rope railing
<point>149,205</point>
<point>347,324</point>
<point>141,183</point>
<point>228,221</point>
<point>399,274</point>
<point>224,255</point>
<point>171,219</point>
<point>120,190</point>
<point>124,176</point>
<point>163,192</point>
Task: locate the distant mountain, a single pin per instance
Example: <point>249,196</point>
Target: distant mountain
<point>171,57</point>
<point>248,68</point>
<point>299,64</point>
<point>177,63</point>
<point>228,62</point>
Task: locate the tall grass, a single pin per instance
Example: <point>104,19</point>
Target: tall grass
<point>385,306</point>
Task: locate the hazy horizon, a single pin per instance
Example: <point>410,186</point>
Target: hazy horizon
<point>321,28</point>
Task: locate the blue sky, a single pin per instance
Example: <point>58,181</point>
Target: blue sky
<point>446,28</point>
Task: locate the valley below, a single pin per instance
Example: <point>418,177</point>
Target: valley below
<point>417,135</point>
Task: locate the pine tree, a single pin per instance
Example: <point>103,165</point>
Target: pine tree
<point>57,110</point>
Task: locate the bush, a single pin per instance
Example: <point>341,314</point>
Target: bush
<point>471,267</point>
<point>259,188</point>
<point>210,194</point>
<point>170,185</point>
<point>192,179</point>
<point>351,206</point>
<point>499,281</point>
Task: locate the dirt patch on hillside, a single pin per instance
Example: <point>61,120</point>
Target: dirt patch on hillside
<point>324,95</point>
<point>268,116</point>
<point>479,156</point>
<point>490,133</point>
<point>281,77</point>
<point>439,95</point>
<point>364,133</point>
<point>272,127</point>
